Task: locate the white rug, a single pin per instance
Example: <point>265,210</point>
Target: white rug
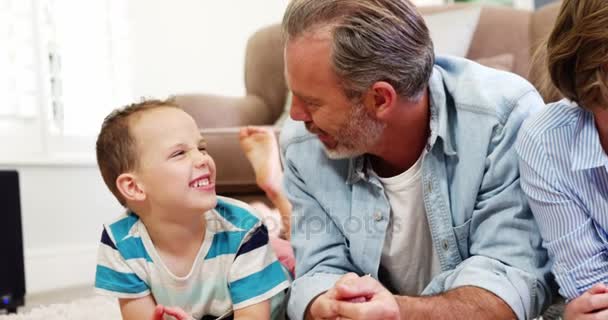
<point>98,308</point>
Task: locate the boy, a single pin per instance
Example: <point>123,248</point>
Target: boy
<point>178,244</point>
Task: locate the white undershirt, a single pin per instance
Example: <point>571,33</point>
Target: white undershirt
<point>409,260</point>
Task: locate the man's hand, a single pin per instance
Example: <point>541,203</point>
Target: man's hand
<point>364,298</point>
<point>175,312</point>
<point>354,297</point>
<point>324,305</point>
<point>592,305</point>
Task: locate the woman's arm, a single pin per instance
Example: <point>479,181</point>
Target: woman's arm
<point>573,239</point>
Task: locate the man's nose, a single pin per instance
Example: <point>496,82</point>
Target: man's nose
<point>298,111</point>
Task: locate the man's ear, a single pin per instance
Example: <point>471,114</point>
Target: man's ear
<point>129,187</point>
<point>380,99</point>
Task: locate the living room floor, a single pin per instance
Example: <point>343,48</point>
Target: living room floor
<point>64,295</point>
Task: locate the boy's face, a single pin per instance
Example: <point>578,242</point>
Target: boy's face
<point>174,172</point>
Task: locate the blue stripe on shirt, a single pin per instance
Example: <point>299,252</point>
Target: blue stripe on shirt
<point>120,229</point>
<point>133,248</point>
<point>239,217</point>
<point>257,283</point>
<point>227,242</point>
<point>115,281</point>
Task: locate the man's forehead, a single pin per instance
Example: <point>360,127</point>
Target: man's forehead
<point>304,97</point>
<point>315,34</point>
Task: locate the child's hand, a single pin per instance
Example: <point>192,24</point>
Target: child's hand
<point>593,304</point>
<point>158,312</point>
<point>175,312</point>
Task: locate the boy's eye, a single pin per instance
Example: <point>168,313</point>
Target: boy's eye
<point>177,153</point>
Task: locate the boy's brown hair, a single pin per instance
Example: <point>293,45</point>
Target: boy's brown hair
<point>116,147</point>
<point>577,52</point>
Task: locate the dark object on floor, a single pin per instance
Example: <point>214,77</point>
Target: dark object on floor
<point>12,275</point>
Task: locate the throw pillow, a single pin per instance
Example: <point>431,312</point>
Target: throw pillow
<point>452,31</point>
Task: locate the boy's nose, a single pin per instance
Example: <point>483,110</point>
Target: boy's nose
<point>199,159</point>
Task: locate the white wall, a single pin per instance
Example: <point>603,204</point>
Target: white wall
<point>190,46</point>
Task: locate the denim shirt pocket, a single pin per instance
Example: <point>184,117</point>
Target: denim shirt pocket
<point>462,237</point>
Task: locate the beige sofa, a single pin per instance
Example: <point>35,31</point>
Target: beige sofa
<point>499,31</point>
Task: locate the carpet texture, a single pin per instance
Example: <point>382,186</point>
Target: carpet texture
<point>98,308</point>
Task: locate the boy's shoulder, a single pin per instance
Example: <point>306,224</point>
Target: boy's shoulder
<point>123,226</point>
<point>238,214</point>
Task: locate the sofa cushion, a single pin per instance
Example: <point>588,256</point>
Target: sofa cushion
<point>501,62</point>
<point>503,30</point>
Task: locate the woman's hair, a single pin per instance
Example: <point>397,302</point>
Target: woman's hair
<point>577,52</point>
<point>539,75</point>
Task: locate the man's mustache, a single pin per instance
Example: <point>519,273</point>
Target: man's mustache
<point>314,129</point>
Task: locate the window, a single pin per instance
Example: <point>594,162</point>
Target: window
<point>67,66</point>
<point>17,60</point>
<point>85,43</point>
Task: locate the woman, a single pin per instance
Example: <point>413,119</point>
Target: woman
<point>564,166</point>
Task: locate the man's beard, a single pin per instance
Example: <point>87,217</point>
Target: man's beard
<point>357,135</point>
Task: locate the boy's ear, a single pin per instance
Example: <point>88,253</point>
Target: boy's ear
<point>129,187</point>
<point>380,99</point>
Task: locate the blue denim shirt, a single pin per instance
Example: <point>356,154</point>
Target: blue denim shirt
<point>481,225</point>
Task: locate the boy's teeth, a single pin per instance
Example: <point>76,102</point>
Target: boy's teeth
<point>200,183</point>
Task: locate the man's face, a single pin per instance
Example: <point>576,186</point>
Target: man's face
<point>344,128</point>
<point>175,170</point>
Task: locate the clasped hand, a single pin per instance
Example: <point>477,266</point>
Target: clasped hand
<point>354,297</point>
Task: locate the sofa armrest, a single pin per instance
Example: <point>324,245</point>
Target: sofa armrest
<point>234,174</point>
<point>214,111</point>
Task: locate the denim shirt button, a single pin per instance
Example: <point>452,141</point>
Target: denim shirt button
<point>377,216</point>
<point>445,245</point>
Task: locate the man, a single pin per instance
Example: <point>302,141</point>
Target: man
<point>403,177</point>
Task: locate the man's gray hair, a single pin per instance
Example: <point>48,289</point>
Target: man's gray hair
<point>373,40</point>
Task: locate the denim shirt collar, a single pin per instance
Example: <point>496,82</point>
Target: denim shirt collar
<point>439,113</point>
<point>587,152</point>
<point>360,167</point>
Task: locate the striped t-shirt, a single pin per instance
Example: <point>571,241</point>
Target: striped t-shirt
<point>235,267</point>
<point>564,173</point>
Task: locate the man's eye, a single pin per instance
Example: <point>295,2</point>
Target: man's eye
<point>202,149</point>
<point>312,105</point>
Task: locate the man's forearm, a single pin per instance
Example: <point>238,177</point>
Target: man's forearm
<point>461,303</point>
